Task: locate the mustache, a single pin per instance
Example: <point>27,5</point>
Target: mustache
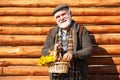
<point>62,21</point>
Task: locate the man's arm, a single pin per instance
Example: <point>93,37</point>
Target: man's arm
<point>47,44</point>
<point>86,50</point>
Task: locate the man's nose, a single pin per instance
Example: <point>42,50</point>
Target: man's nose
<point>61,17</point>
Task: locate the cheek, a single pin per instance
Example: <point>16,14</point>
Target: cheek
<point>66,16</point>
<point>58,20</point>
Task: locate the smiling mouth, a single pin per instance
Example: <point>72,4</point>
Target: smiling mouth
<point>63,21</point>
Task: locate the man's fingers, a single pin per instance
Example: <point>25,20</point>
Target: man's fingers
<point>67,57</point>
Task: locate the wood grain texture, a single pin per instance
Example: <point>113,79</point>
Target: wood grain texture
<point>20,51</point>
<point>24,78</point>
<point>42,30</point>
<point>43,71</point>
<point>24,30</point>
<point>24,26</point>
<point>21,40</point>
<point>25,70</point>
<point>96,77</point>
<point>1,70</point>
<point>111,60</point>
<point>24,40</point>
<point>31,20</point>
<point>101,39</point>
<point>47,11</point>
<point>104,60</point>
<point>106,50</point>
<point>103,70</point>
<point>103,29</point>
<point>38,3</point>
<point>35,51</point>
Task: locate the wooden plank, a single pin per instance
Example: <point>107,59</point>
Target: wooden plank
<point>34,61</point>
<point>1,70</point>
<point>105,38</point>
<point>20,51</point>
<point>19,61</point>
<point>35,51</point>
<point>102,29</point>
<point>103,70</point>
<point>37,3</point>
<point>24,30</point>
<point>104,77</point>
<point>42,30</point>
<point>19,11</point>
<point>106,50</point>
<point>97,19</point>
<point>22,40</point>
<point>96,11</point>
<point>43,71</point>
<point>104,60</point>
<point>49,20</point>
<point>24,78</point>
<point>99,3</point>
<point>91,77</point>
<point>25,70</point>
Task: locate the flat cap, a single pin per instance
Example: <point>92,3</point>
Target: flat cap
<point>60,7</point>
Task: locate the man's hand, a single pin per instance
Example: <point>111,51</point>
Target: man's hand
<point>57,46</point>
<point>67,57</point>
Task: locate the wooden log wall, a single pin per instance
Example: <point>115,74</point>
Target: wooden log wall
<point>25,23</point>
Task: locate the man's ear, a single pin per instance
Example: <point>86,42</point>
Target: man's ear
<point>70,13</point>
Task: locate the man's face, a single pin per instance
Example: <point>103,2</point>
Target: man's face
<point>63,18</point>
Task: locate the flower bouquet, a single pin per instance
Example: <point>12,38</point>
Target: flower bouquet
<point>46,60</point>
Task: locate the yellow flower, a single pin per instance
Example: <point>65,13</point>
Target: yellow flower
<point>44,60</point>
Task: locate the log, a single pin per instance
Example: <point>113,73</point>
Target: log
<point>21,40</point>
<point>24,78</point>
<point>43,71</point>
<point>24,40</point>
<point>24,30</point>
<point>18,11</point>
<point>34,61</point>
<point>96,77</point>
<point>25,70</point>
<point>104,77</point>
<point>106,50</point>
<point>20,51</point>
<point>1,69</point>
<point>19,61</point>
<point>35,51</point>
<point>103,70</point>
<point>42,30</point>
<point>105,38</point>
<point>95,11</point>
<point>98,20</point>
<point>49,20</point>
<point>37,3</point>
<point>104,60</point>
<point>103,29</point>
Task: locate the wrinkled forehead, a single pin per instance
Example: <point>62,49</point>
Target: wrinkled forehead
<point>61,12</point>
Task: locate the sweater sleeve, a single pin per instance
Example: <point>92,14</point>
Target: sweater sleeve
<point>86,44</point>
<point>48,43</point>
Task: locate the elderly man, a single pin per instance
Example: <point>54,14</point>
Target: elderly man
<point>80,47</point>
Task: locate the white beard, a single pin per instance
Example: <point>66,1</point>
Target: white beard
<point>66,23</point>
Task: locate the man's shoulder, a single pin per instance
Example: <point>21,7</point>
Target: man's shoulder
<point>54,28</point>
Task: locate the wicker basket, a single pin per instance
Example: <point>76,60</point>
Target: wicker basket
<point>59,67</point>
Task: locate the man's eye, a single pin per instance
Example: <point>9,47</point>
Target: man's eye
<point>57,17</point>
